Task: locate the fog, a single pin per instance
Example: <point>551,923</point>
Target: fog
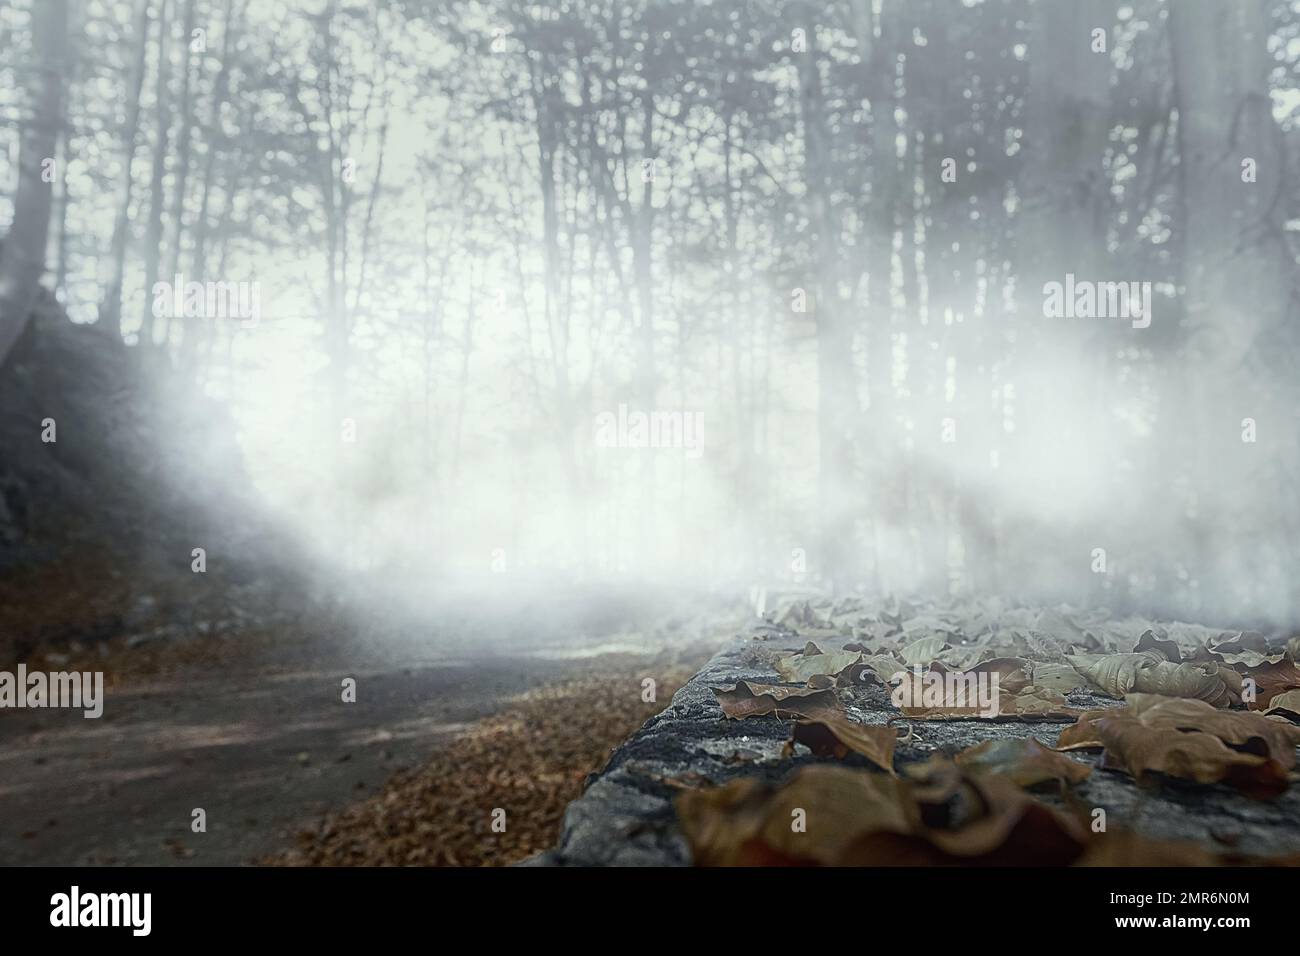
<point>686,297</point>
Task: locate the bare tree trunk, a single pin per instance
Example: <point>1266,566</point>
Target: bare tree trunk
<point>22,258</point>
<point>61,230</point>
<point>110,307</point>
<point>215,140</point>
<point>186,108</point>
<point>157,184</point>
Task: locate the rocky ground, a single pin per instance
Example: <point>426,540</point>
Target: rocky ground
<point>646,807</point>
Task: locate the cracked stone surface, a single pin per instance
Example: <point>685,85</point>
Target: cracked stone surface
<point>626,816</point>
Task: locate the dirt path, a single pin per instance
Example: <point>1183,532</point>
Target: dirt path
<point>259,754</point>
<point>263,750</point>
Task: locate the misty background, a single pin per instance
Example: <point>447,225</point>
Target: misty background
<point>468,246</point>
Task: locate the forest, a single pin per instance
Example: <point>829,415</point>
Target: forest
<point>371,328</point>
<point>472,229</point>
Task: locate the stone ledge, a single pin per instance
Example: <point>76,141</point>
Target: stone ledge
<point>626,815</point>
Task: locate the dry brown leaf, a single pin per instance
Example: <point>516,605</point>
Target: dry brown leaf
<point>1118,675</point>
<point>1139,751</point>
<point>1235,728</point>
<point>750,699</point>
<point>881,668</point>
<point>749,823</point>
<point>968,657</point>
<point>1083,734</point>
<point>1025,762</point>
<point>1152,642</point>
<point>1013,673</point>
<point>1191,740</point>
<point>1113,674</point>
<point>1060,678</point>
<point>1245,648</point>
<point>814,662</point>
<point>871,820</point>
<point>1009,828</point>
<point>961,695</point>
<point>1270,681</point>
<point>837,736</point>
<point>923,650</point>
<point>1285,704</point>
<point>834,816</point>
<point>852,818</point>
<point>1233,681</point>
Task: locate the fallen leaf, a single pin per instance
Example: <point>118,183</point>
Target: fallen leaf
<point>1012,672</point>
<point>837,736</point>
<point>1058,677</point>
<point>970,695</point>
<point>1024,761</point>
<point>1117,675</point>
<point>1191,740</point>
<point>923,650</point>
<point>814,662</point>
<point>749,823</point>
<point>1040,702</point>
<point>878,667</point>
<point>1286,704</point>
<point>1234,728</point>
<point>1247,648</point>
<point>750,699</point>
<point>1270,681</point>
<point>1150,641</point>
<point>850,818</point>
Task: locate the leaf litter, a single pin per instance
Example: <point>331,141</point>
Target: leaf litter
<point>1187,708</point>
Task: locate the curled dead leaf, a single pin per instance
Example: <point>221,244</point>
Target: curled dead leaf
<point>1012,672</point>
<point>751,699</point>
<point>1270,680</point>
<point>879,668</point>
<point>830,815</point>
<point>1118,675</point>
<point>939,694</point>
<point>923,650</point>
<point>1024,761</point>
<point>1191,740</point>
<point>1244,648</point>
<point>837,736</point>
<point>1152,642</point>
<point>1285,704</point>
<point>812,661</point>
<point>850,818</point>
<point>1058,677</point>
